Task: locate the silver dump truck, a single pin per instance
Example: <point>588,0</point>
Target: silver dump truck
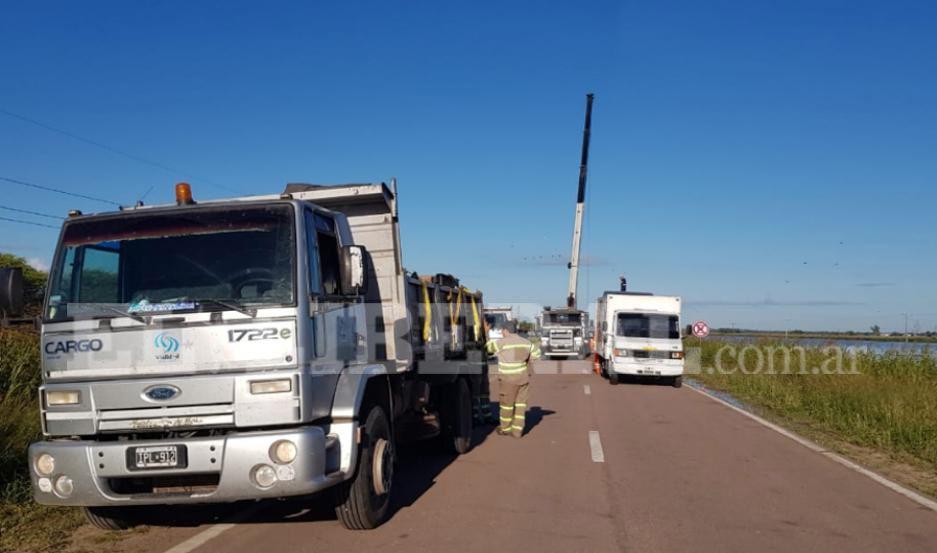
<point>257,347</point>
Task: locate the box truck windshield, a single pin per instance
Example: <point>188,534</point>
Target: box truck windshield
<point>192,260</point>
<point>638,325</point>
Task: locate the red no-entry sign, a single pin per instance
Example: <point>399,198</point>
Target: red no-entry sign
<point>700,329</point>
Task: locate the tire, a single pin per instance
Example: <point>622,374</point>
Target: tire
<point>677,381</point>
<point>457,418</point>
<point>357,504</point>
<point>109,518</point>
<point>613,378</point>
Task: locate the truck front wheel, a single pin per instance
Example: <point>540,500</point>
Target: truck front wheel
<point>363,502</point>
<point>613,378</point>
<point>109,518</point>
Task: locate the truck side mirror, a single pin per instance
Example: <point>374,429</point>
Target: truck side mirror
<point>11,291</point>
<point>352,270</point>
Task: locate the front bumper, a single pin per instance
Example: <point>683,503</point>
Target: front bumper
<point>100,476</point>
<point>647,367</point>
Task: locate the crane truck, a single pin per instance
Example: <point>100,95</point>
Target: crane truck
<point>241,349</point>
<point>564,330</point>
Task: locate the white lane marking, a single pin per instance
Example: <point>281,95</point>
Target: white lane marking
<point>586,389</point>
<point>893,486</point>
<point>211,532</point>
<point>201,538</point>
<point>595,446</point>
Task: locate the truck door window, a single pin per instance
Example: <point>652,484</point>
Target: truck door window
<point>328,254</point>
<point>312,253</point>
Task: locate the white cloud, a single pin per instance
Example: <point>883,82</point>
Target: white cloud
<point>37,263</point>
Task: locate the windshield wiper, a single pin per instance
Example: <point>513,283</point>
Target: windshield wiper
<point>252,313</point>
<point>123,313</point>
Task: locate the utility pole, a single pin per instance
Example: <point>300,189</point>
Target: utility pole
<point>580,205</point>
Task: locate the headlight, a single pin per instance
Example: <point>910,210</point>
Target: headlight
<point>264,476</point>
<point>676,355</point>
<point>621,352</point>
<point>271,386</point>
<point>64,486</point>
<point>283,452</point>
<point>58,397</point>
<point>544,340</point>
<point>45,465</point>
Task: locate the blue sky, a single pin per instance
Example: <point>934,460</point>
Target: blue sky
<point>774,163</point>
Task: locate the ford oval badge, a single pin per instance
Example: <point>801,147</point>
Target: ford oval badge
<point>161,392</point>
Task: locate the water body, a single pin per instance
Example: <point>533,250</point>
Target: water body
<point>874,346</point>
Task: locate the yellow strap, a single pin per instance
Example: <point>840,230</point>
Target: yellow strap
<point>520,405</point>
<point>507,407</point>
<point>476,320</point>
<point>515,427</point>
<point>506,419</point>
<point>427,314</point>
<point>454,313</point>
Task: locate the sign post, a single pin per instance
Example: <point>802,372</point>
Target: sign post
<point>700,330</point>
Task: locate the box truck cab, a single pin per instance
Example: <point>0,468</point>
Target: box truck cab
<point>638,334</point>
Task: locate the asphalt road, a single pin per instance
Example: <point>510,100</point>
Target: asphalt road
<point>680,473</point>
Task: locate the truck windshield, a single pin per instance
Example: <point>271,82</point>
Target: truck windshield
<point>639,325</point>
<point>562,318</point>
<point>191,260</point>
<point>496,320</point>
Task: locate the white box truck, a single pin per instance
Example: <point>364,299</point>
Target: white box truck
<point>258,347</point>
<point>638,334</point>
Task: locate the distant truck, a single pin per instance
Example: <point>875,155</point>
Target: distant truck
<point>564,333</point>
<point>257,347</point>
<point>499,318</point>
<point>638,334</point>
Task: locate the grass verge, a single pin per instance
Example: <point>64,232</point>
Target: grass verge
<point>24,525</point>
<point>880,409</point>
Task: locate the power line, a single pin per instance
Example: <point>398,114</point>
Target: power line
<point>58,191</point>
<point>28,212</point>
<point>114,150</point>
<point>22,222</point>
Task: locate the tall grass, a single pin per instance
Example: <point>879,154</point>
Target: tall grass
<point>24,525</point>
<point>888,402</point>
<point>19,416</point>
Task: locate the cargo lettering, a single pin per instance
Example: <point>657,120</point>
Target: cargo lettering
<point>73,346</point>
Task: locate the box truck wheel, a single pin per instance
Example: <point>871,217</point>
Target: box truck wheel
<point>612,378</point>
<point>677,381</point>
<point>457,417</point>
<point>109,518</point>
<point>363,502</point>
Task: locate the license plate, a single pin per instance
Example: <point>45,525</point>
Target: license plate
<point>156,457</point>
<point>649,372</point>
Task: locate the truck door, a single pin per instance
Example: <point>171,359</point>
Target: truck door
<point>337,318</point>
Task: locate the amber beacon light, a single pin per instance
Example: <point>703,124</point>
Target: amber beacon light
<point>184,194</point>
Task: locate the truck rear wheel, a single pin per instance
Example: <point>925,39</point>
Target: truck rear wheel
<point>109,518</point>
<point>363,502</point>
<point>457,418</point>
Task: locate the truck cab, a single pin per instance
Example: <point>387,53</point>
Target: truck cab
<point>563,333</point>
<point>258,347</point>
<point>638,335</point>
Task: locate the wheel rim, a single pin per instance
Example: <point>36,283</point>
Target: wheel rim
<point>382,469</point>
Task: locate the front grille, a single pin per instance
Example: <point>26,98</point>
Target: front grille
<point>642,354</point>
<point>188,484</point>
